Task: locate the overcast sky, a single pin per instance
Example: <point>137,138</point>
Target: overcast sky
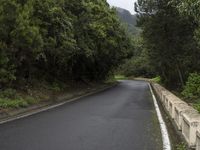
<point>127,4</point>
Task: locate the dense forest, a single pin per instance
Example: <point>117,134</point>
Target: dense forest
<point>87,41</point>
<point>169,45</point>
<point>169,38</point>
<point>59,40</point>
<point>50,46</point>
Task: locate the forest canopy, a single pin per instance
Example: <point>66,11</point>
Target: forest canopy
<point>59,40</point>
<point>170,35</point>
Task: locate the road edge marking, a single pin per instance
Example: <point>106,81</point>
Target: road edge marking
<point>164,132</point>
<point>40,110</point>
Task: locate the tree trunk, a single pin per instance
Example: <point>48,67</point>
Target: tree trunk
<point>180,75</point>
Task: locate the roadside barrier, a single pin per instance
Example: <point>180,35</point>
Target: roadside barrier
<point>198,140</point>
<point>185,117</point>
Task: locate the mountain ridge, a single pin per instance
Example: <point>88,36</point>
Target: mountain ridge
<point>128,19</point>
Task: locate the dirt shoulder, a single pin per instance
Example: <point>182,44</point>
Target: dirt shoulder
<point>48,99</point>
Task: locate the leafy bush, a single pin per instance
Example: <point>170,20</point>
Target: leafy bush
<point>192,88</point>
<point>8,93</point>
<point>197,107</point>
<point>31,100</point>
<point>6,70</point>
<point>9,98</point>
<point>120,77</point>
<point>6,103</point>
<point>181,146</point>
<point>157,79</point>
<point>56,87</point>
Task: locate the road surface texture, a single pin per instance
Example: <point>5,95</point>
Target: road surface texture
<point>121,118</point>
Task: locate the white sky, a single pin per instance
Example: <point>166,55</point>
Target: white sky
<point>127,4</point>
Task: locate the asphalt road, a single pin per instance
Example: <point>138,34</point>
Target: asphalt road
<point>121,118</point>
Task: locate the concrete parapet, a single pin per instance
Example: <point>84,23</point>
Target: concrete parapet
<point>179,109</point>
<point>198,139</point>
<point>190,124</point>
<point>185,117</point>
<point>171,105</point>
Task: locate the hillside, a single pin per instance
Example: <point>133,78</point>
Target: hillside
<point>129,19</point>
<point>53,43</point>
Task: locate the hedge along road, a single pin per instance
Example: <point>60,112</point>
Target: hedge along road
<point>120,118</point>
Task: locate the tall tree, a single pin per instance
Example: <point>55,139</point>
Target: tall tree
<point>168,37</point>
<point>59,40</point>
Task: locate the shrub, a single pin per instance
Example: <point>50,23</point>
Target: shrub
<point>157,79</point>
<point>6,103</point>
<point>197,107</point>
<point>31,100</point>
<point>56,87</point>
<point>9,98</point>
<point>181,146</point>
<point>192,88</point>
<point>8,93</point>
<point>120,77</point>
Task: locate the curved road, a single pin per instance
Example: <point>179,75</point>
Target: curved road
<point>121,118</point>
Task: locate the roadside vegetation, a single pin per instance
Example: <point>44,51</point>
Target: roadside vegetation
<point>56,43</point>
<point>120,77</point>
<point>168,47</point>
<point>50,42</point>
<point>30,95</point>
<point>42,94</point>
<point>181,146</point>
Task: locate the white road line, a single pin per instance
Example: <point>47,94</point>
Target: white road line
<point>165,135</point>
<point>33,113</point>
<point>53,106</point>
<point>41,110</point>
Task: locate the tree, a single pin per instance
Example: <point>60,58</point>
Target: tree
<point>139,65</point>
<point>168,37</point>
<point>102,41</point>
<point>59,40</point>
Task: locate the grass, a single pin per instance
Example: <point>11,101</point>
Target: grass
<point>56,87</point>
<point>31,95</point>
<point>156,79</point>
<point>10,98</point>
<point>197,107</point>
<point>181,146</point>
<point>120,77</point>
<point>17,103</point>
<point>42,92</point>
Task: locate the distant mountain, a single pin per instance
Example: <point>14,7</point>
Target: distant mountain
<point>129,19</point>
